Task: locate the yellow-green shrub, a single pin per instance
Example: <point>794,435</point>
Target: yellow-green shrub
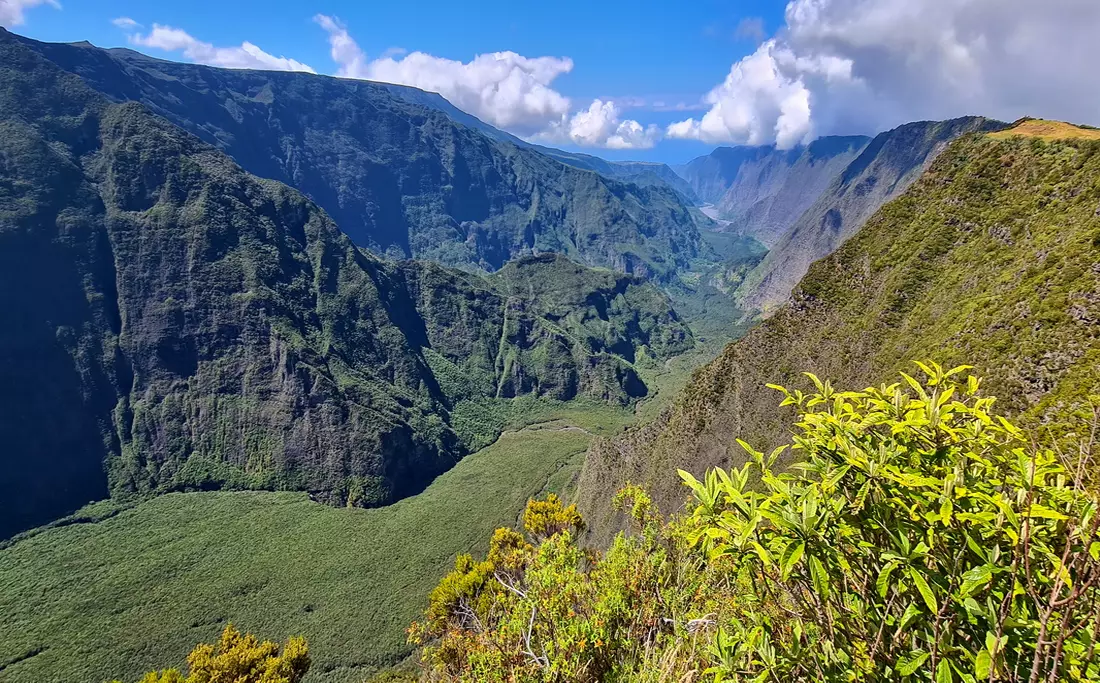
<point>240,658</point>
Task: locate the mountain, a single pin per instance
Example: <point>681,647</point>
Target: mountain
<point>170,321</point>
<point>761,191</point>
<point>645,173</point>
<point>991,258</point>
<point>401,173</point>
<point>769,197</point>
<point>651,173</point>
<point>883,170</point>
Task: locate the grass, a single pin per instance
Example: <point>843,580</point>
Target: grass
<point>1047,130</point>
<point>137,589</point>
<point>478,422</point>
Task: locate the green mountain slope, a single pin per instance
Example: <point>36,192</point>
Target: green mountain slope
<point>887,166</point>
<point>992,258</point>
<point>398,175</point>
<point>188,325</point>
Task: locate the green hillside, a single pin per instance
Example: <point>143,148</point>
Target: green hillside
<point>989,259</point>
<point>884,169</point>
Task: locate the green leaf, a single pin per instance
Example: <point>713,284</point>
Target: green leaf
<point>908,664</point>
<point>820,577</point>
<point>974,579</point>
<point>1045,512</point>
<point>911,613</point>
<point>882,584</point>
<point>925,590</point>
<point>791,556</point>
<point>943,672</point>
<point>982,665</point>
<point>690,480</point>
<point>762,553</point>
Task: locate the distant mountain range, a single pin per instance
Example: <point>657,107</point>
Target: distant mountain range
<point>803,203</point>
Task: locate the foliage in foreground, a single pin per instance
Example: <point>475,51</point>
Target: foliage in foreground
<point>923,537</point>
<point>240,658</point>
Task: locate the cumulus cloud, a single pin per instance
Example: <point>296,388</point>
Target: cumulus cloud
<point>862,65</point>
<point>601,126</point>
<point>126,23</point>
<point>245,56</point>
<point>12,12</point>
<point>505,89</point>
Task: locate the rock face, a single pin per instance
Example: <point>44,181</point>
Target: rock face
<point>761,191</point>
<point>991,258</point>
<point>884,169</point>
<point>397,168</point>
<point>170,321</point>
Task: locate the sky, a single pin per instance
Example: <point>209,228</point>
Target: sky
<point>650,79</point>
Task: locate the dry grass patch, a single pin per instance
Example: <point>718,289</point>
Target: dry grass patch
<point>1048,130</point>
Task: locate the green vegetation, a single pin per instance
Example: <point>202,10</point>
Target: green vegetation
<point>114,592</point>
<point>921,537</point>
<point>990,258</point>
<point>240,659</point>
<point>200,328</point>
<point>402,171</point>
<point>885,168</point>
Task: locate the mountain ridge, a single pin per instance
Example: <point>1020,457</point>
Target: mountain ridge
<point>990,258</point>
<point>884,169</point>
<point>401,176</point>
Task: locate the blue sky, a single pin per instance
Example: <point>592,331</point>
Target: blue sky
<point>648,79</point>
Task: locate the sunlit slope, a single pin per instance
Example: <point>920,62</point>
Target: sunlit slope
<point>992,258</point>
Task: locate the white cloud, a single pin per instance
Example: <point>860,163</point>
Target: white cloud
<point>12,11</point>
<point>863,65</point>
<point>600,126</point>
<point>246,56</point>
<point>757,104</point>
<point>126,23</point>
<point>505,89</point>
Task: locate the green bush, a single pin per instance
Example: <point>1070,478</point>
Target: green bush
<point>921,537</point>
<point>240,658</point>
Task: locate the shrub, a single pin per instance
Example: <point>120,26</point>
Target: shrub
<point>921,537</point>
<point>238,658</point>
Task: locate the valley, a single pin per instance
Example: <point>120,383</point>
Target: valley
<point>295,352</point>
<point>126,589</point>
